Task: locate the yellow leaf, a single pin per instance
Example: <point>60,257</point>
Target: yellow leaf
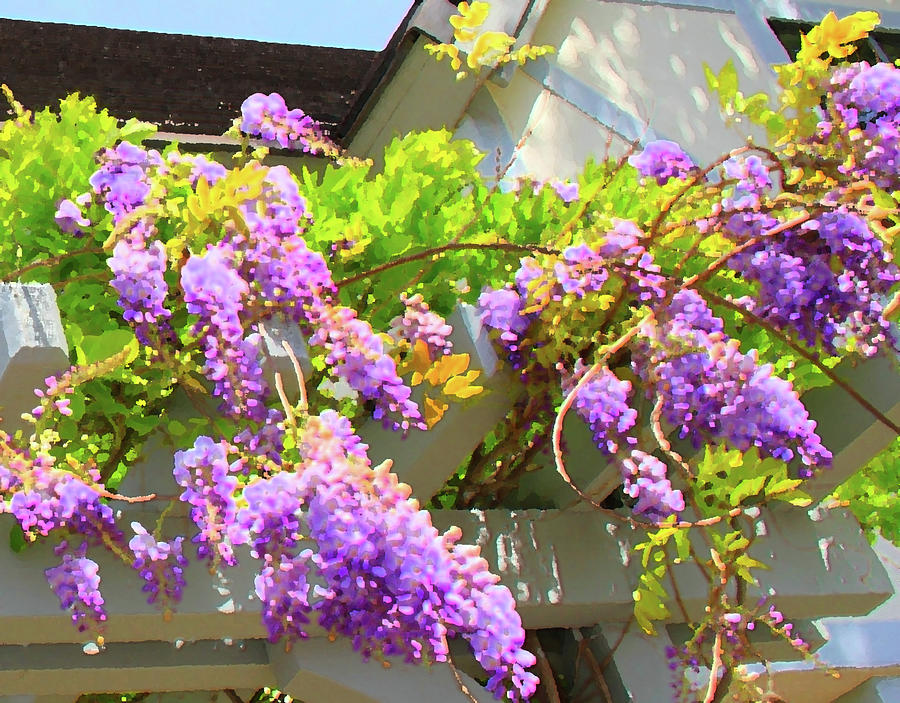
<point>489,48</point>
<point>434,411</point>
<point>447,366</point>
<point>468,391</point>
<point>835,37</point>
<point>418,361</point>
<point>470,17</point>
<point>460,385</point>
<point>203,193</point>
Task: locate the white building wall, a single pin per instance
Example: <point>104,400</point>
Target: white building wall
<point>628,70</point>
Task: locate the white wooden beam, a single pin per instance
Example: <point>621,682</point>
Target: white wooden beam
<point>62,669</point>
<point>321,672</point>
<point>850,431</point>
<point>881,690</point>
<point>565,569</point>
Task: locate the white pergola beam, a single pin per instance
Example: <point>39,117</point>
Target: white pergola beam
<point>320,671</point>
<point>882,690</point>
<point>852,433</point>
<point>539,555</point>
<point>62,669</point>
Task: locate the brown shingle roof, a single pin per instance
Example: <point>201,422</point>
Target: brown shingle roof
<point>182,83</point>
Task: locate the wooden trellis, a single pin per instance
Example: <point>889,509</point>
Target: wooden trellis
<point>566,567</point>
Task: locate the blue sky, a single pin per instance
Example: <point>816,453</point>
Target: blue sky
<point>358,24</point>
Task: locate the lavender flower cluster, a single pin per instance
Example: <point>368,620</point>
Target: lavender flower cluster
<point>267,117</point>
<point>582,270</point>
<point>714,393</point>
<point>139,279</point>
<point>826,280</point>
<point>662,160</point>
<point>344,542</point>
<point>866,104</point>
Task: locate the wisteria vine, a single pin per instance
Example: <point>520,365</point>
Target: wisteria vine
<point>609,314</point>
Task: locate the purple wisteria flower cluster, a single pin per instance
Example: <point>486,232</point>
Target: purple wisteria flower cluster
<point>827,280</point>
<point>751,181</point>
<point>583,269</point>
<point>264,265</point>
<point>161,565</point>
<point>343,542</point>
<point>76,582</point>
<point>139,279</point>
<point>267,117</point>
<point>209,484</point>
<point>603,403</point>
<point>866,104</point>
<point>712,392</point>
<point>662,160</point>
<point>341,545</point>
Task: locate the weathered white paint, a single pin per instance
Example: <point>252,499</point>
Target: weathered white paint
<point>882,690</point>
<point>63,670</point>
<point>850,431</point>
<point>858,649</point>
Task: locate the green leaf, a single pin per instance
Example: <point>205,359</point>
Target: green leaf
<point>728,83</point>
<point>94,348</point>
<point>711,81</point>
<point>17,541</point>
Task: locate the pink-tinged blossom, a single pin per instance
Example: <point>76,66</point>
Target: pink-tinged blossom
<point>208,482</point>
<point>356,354</point>
<point>419,323</point>
<point>645,478</point>
<point>122,181</point>
<point>160,564</point>
<point>567,192</point>
<point>383,575</point>
<point>751,181</point>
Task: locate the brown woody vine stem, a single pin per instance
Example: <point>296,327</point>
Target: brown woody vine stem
<point>52,261</point>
